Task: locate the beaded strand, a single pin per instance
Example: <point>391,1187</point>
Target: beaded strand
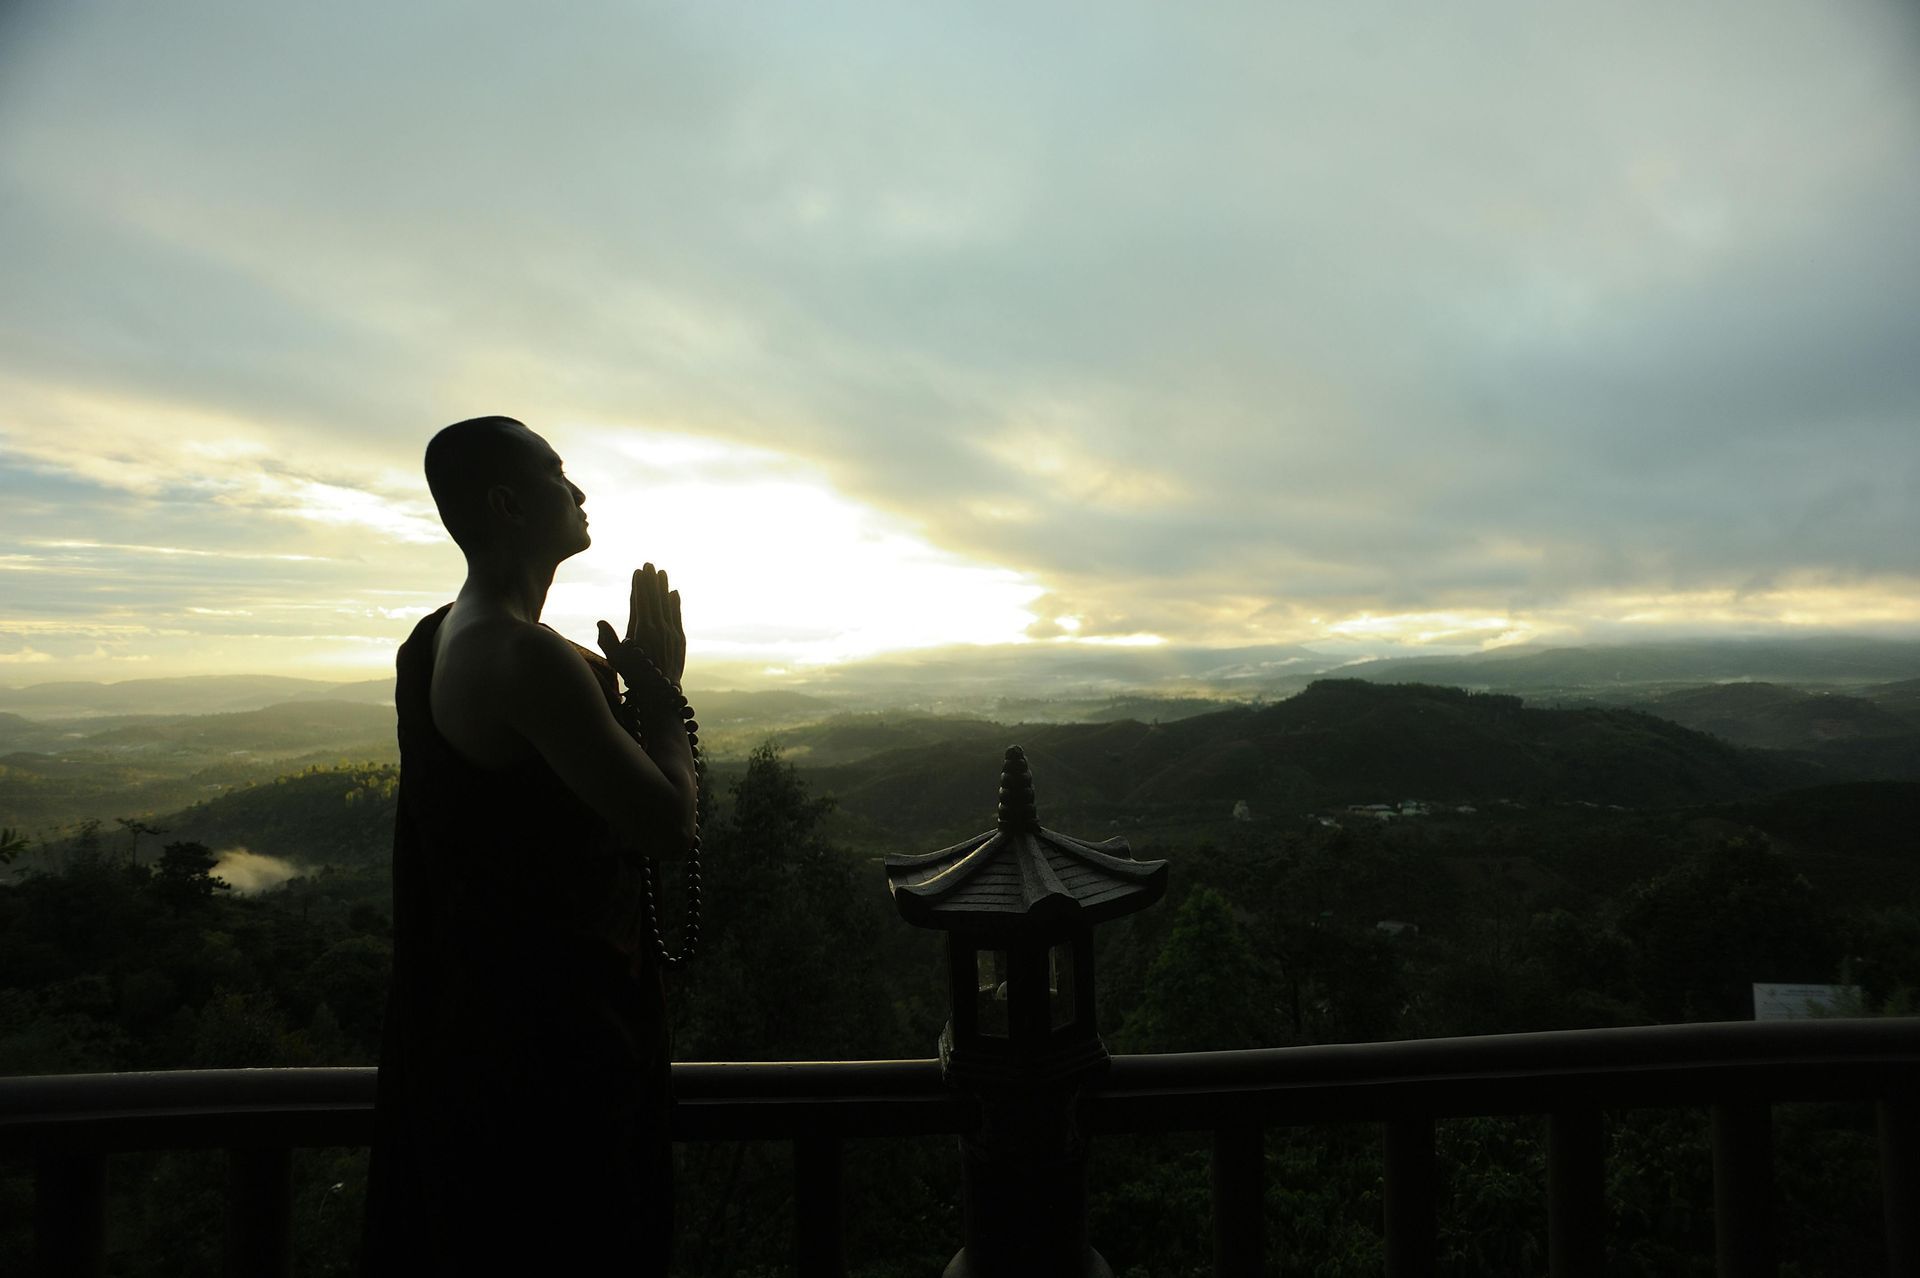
<point>667,694</point>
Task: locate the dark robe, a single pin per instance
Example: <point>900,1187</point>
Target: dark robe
<point>523,1096</point>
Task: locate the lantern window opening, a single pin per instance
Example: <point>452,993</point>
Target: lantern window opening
<point>990,1002</point>
<point>1060,985</point>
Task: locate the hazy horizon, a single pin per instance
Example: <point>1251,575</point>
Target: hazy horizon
<point>1383,329</point>
<point>974,676</point>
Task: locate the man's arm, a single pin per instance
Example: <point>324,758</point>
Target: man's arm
<point>551,698</point>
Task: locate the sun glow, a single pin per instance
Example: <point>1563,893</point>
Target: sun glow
<point>774,564</point>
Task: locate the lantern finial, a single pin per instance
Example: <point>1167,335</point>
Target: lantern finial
<point>1017,809</point>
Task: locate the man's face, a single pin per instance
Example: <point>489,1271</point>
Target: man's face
<point>552,506</point>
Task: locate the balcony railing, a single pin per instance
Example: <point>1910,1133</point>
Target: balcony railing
<point>69,1123</point>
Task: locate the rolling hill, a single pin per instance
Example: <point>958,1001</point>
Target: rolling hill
<point>1807,663</point>
<point>56,774</point>
<point>1769,716</point>
<point>1901,697</point>
<point>1847,737</point>
<point>184,695</point>
<point>1339,742</point>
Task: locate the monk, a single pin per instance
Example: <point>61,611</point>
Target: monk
<point>524,1091</point>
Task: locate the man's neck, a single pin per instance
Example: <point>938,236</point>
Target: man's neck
<point>517,588</point>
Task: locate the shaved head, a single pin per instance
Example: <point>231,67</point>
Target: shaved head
<point>465,460</point>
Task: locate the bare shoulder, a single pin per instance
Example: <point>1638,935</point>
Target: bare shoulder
<point>488,673</point>
<point>502,656</point>
<point>534,658</point>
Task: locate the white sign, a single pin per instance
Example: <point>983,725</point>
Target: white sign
<point>1802,1002</point>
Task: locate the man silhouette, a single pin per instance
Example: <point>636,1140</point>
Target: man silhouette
<point>521,1112</point>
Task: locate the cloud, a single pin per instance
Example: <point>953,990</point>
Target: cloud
<point>250,873</point>
<point>1207,325</point>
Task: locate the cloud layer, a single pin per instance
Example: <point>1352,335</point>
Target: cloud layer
<point>1231,326</point>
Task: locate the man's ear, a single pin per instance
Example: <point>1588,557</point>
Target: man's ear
<point>504,503</point>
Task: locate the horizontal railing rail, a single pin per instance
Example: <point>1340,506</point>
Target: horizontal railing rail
<point>69,1123</point>
<point>215,1108</point>
<point>1638,1067</point>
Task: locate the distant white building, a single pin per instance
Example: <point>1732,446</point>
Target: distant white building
<point>1241,812</point>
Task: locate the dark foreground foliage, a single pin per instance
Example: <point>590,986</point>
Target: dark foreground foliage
<point>111,959</point>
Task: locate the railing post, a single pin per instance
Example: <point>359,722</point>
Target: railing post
<point>259,1212</point>
<point>818,1214</point>
<point>1239,1194</point>
<point>1743,1189</point>
<point>70,1213</point>
<point>1409,1198</point>
<point>1576,1195</point>
<point>1900,1182</point>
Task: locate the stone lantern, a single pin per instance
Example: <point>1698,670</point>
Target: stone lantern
<point>1018,904</point>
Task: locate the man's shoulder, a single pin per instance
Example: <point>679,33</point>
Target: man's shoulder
<point>517,650</point>
<point>504,653</point>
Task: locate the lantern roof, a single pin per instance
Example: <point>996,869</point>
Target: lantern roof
<point>1018,876</point>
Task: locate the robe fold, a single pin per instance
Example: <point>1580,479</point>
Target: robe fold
<point>523,1097</point>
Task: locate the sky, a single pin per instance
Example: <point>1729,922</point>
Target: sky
<point>1373,327</point>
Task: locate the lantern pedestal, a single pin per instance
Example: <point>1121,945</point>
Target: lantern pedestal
<point>1024,1196</point>
<point>1024,1167</point>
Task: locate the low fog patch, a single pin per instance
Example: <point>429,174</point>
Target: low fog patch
<point>248,873</point>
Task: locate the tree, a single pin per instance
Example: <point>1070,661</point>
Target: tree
<point>1204,990</point>
<point>350,979</point>
<point>83,850</point>
<point>12,843</point>
<point>1725,917</point>
<point>136,828</point>
<point>240,1029</point>
<point>184,878</point>
<point>785,960</point>
<point>785,971</point>
<point>1886,945</point>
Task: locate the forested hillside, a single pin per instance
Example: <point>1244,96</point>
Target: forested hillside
<point>1539,868</point>
<point>1339,742</point>
<point>1526,918</point>
<point>183,695</point>
<point>1874,733</point>
<point>63,772</point>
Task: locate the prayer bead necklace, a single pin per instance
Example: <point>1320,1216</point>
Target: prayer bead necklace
<point>669,692</point>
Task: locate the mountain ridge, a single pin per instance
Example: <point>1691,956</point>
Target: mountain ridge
<point>1340,742</point>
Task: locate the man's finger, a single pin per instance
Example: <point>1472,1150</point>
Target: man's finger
<point>633,605</point>
<point>679,631</point>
